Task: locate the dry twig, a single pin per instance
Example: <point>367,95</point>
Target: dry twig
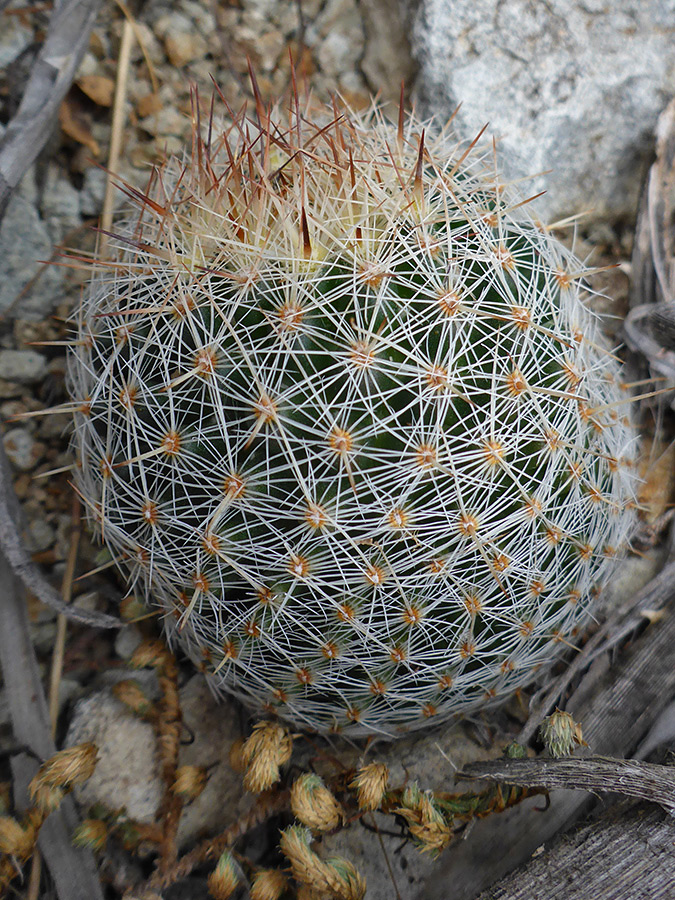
<point>595,773</point>
<point>20,562</point>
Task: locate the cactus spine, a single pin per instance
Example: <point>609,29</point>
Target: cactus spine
<point>344,415</point>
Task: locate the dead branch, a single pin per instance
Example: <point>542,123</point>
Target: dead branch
<point>595,773</point>
<point>20,562</point>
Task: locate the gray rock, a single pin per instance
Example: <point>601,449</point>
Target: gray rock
<point>15,37</point>
<point>214,725</point>
<point>127,640</point>
<point>24,245</point>
<point>93,192</point>
<point>338,36</point>
<point>41,535</point>
<point>60,204</point>
<point>570,85</point>
<point>23,451</point>
<point>9,389</point>
<point>127,773</point>
<point>24,366</point>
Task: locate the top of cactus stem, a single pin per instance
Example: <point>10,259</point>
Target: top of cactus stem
<point>344,415</point>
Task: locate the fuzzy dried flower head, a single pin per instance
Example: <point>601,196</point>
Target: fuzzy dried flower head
<point>561,734</point>
<point>15,840</point>
<point>314,805</point>
<point>46,797</point>
<point>235,756</point>
<point>66,769</point>
<point>151,653</point>
<point>426,823</point>
<point>132,695</point>
<point>305,892</point>
<point>91,833</point>
<point>267,749</point>
<point>268,884</point>
<point>350,348</point>
<point>190,782</point>
<point>335,877</point>
<point>371,785</point>
<point>132,609</point>
<point>224,879</point>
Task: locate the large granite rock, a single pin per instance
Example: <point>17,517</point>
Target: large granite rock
<point>574,86</point>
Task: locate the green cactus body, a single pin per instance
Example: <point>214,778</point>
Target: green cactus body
<point>346,418</point>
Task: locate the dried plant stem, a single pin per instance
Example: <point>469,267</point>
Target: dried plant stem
<point>267,805</point>
<point>597,773</point>
<point>169,724</point>
<point>56,670</point>
<point>141,43</point>
<point>33,891</point>
<point>117,132</point>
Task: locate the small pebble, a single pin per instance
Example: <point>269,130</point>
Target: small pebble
<point>24,366</point>
<point>183,47</point>
<point>41,535</point>
<point>127,640</point>
<point>22,450</point>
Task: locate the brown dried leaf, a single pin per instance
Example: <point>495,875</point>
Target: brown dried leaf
<point>148,104</point>
<point>74,124</point>
<point>98,88</point>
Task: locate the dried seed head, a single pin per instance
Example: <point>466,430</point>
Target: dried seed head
<point>67,768</point>
<point>131,694</point>
<point>190,782</point>
<point>224,879</point>
<point>267,749</point>
<point>268,884</point>
<point>343,880</point>
<point>314,805</point>
<point>235,756</point>
<point>132,609</point>
<point>307,868</point>
<point>91,834</point>
<point>15,840</point>
<point>336,877</point>
<point>150,654</point>
<point>561,734</point>
<point>46,797</point>
<point>426,823</point>
<point>371,785</point>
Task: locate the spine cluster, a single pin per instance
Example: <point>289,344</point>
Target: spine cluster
<point>342,412</point>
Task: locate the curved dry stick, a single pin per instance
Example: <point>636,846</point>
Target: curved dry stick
<point>17,556</point>
<point>269,804</point>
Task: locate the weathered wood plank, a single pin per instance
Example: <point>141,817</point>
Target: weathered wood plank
<point>627,854</point>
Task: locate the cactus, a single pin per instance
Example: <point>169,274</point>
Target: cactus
<point>342,413</point>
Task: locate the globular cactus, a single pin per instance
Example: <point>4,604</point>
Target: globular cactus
<point>343,413</point>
